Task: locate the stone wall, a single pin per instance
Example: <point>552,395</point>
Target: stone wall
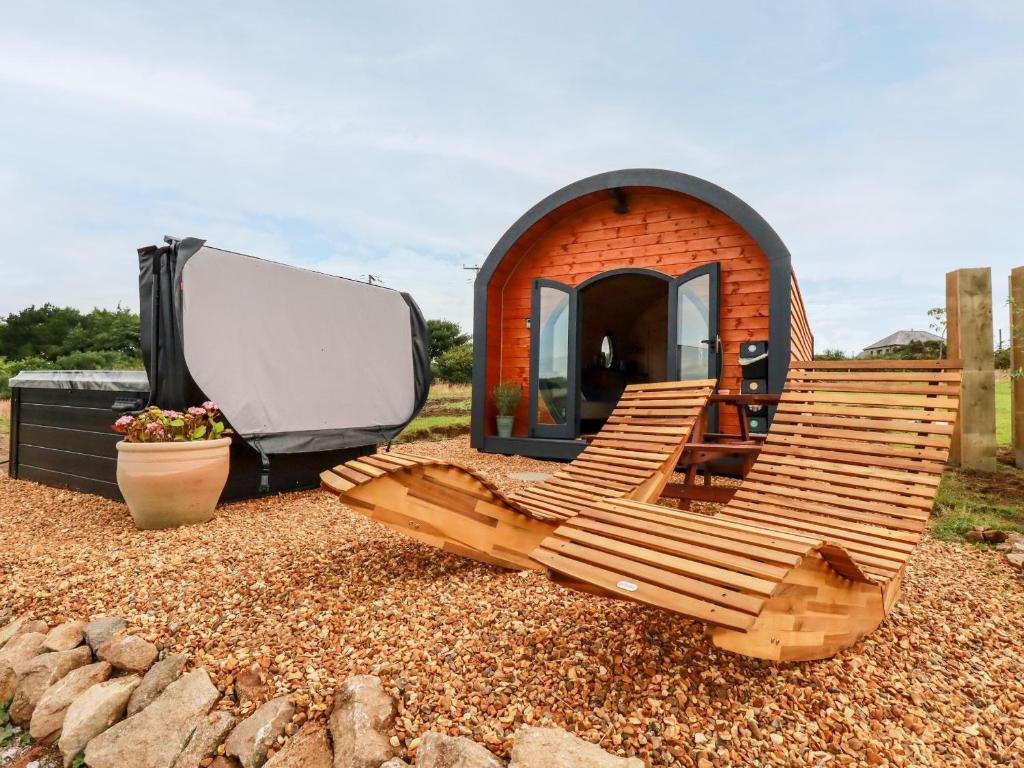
<point>105,698</point>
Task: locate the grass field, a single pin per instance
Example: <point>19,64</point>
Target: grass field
<point>446,414</point>
<point>1003,412</point>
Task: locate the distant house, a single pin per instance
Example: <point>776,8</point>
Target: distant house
<point>899,339</point>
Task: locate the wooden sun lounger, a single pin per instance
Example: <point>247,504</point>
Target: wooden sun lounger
<point>809,554</point>
<point>457,509</point>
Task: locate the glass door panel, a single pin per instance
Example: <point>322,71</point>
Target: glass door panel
<point>693,324</point>
<point>553,360</point>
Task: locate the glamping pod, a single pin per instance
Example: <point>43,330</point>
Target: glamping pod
<point>623,278</point>
<point>308,369</point>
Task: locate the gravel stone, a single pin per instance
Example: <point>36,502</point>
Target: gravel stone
<point>316,594</point>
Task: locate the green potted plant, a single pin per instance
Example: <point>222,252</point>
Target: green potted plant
<point>506,399</point>
<point>172,465</point>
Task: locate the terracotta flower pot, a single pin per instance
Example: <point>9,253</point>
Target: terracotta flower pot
<point>171,484</point>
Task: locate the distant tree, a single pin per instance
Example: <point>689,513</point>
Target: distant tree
<point>104,330</point>
<point>1002,359</point>
<point>456,365</point>
<point>37,331</point>
<point>444,335</point>
<point>831,354</point>
<point>50,332</point>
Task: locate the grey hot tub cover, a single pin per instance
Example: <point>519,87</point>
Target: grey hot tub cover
<point>298,360</point>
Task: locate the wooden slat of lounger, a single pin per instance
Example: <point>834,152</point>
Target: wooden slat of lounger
<point>784,542</point>
<point>336,483</point>
<point>797,427</point>
<point>858,398</point>
<point>678,530</point>
<point>648,457</point>
<point>638,475</point>
<point>712,564</point>
<point>812,523</point>
<point>670,561</point>
<point>884,388</point>
<point>825,376</point>
<point>835,499</point>
<point>867,365</point>
<point>926,415</point>
<point>925,481</point>
<point>850,457</point>
<point>933,456</point>
<point>880,424</point>
<point>634,569</point>
<point>351,475</point>
<point>823,484</point>
<point>883,549</point>
<point>846,484</point>
<point>837,516</point>
<point>586,475</point>
<point>651,594</point>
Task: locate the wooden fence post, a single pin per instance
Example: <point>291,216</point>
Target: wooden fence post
<point>1017,363</point>
<point>969,338</point>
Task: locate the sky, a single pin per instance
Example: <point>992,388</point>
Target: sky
<point>883,141</point>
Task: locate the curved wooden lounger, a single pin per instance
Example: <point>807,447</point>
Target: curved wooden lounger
<point>809,555</point>
<point>457,509</point>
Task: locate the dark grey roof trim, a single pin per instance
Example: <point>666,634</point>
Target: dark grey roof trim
<point>779,264</point>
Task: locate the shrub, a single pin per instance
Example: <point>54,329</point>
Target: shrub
<point>456,365</point>
<point>507,395</point>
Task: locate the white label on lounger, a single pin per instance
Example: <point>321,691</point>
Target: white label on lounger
<point>629,586</point>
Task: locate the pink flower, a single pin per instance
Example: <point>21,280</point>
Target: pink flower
<point>154,429</point>
<point>195,410</point>
<point>122,424</point>
<point>171,414</point>
<point>211,406</point>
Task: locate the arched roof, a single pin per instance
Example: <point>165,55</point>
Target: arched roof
<point>760,231</point>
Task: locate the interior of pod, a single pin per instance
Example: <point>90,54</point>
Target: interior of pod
<point>627,277</point>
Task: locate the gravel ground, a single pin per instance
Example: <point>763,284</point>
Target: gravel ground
<point>317,593</point>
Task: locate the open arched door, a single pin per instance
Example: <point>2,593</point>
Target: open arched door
<point>553,365</point>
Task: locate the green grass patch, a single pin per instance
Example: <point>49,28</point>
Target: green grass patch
<point>434,428</point>
<point>1003,436</point>
<point>443,391</point>
<point>968,500</point>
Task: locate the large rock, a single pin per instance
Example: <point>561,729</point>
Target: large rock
<point>155,736</point>
<point>64,637</point>
<point>255,735</point>
<point>39,673</point>
<point>555,748</point>
<point>160,675</point>
<point>98,631</point>
<point>362,715</point>
<point>209,733</point>
<point>395,762</point>
<point>309,748</point>
<point>436,750</point>
<point>92,713</point>
<point>19,648</point>
<point>20,626</point>
<point>128,653</point>
<point>53,706</point>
